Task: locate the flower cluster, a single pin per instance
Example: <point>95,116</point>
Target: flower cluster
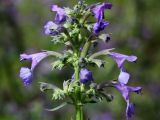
<point>68,29</point>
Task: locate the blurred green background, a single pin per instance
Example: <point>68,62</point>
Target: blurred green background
<point>135,26</point>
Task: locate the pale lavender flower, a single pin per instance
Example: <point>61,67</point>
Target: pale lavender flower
<point>60,15</point>
<point>125,91</point>
<point>26,73</point>
<point>120,58</point>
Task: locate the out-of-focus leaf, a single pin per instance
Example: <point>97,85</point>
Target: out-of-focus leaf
<point>99,63</point>
<point>58,107</point>
<point>46,86</point>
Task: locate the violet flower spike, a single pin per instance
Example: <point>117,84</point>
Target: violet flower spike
<point>26,73</point>
<point>125,91</point>
<point>60,15</point>
<point>98,10</point>
<point>120,58</point>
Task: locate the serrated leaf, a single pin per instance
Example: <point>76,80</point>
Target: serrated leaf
<point>58,107</point>
<point>58,64</point>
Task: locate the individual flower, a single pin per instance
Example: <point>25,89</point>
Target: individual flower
<point>50,28</point>
<point>125,91</point>
<point>99,26</point>
<point>98,10</point>
<point>85,76</point>
<point>60,15</point>
<point>120,58</point>
<point>26,73</point>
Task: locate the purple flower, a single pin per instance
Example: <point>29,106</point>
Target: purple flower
<point>60,16</point>
<point>98,10</point>
<point>50,27</point>
<point>35,58</point>
<point>99,26</point>
<point>26,73</point>
<point>125,91</point>
<point>85,76</point>
<point>120,58</point>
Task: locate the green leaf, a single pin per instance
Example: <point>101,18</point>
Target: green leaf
<point>103,52</point>
<point>108,97</point>
<point>99,63</point>
<point>58,107</point>
<point>58,94</point>
<point>53,53</point>
<point>58,64</point>
<point>46,86</point>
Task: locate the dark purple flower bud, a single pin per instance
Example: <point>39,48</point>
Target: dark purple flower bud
<point>60,15</point>
<point>99,26</point>
<point>98,10</point>
<point>50,27</point>
<point>85,76</point>
<point>125,91</point>
<point>120,58</point>
<point>26,75</point>
<point>35,58</point>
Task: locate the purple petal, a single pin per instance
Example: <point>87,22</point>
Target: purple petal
<point>98,10</point>
<point>25,57</point>
<point>35,58</point>
<point>129,110</point>
<point>138,90</point>
<point>26,75</point>
<point>123,89</point>
<point>123,77</point>
<point>86,75</point>
<point>120,58</point>
<point>99,26</point>
<point>60,16</point>
<point>49,27</point>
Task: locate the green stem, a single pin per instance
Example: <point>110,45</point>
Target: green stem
<point>78,104</point>
<point>85,49</point>
<point>79,112</point>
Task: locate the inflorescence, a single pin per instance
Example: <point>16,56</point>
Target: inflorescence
<point>75,29</point>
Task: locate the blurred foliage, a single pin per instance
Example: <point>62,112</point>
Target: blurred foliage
<point>135,27</point>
